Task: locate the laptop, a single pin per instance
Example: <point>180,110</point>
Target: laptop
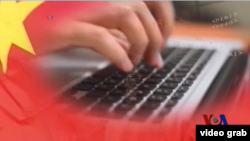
<point>197,74</point>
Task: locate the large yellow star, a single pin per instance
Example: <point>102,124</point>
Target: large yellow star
<point>12,30</point>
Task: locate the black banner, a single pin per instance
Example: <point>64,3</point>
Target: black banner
<point>225,132</point>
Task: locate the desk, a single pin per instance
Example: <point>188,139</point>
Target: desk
<point>207,30</point>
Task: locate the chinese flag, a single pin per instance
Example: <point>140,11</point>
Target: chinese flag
<point>28,112</point>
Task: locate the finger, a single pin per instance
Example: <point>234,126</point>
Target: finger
<point>121,38</point>
<point>135,32</point>
<point>100,40</point>
<point>118,34</point>
<point>124,19</point>
<point>153,58</point>
<point>154,35</point>
<point>164,15</point>
<point>124,44</point>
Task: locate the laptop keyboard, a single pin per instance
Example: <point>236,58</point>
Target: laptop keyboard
<point>111,93</point>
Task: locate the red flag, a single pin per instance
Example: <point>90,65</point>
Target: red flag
<point>27,110</point>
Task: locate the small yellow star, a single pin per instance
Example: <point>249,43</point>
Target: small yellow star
<point>12,30</point>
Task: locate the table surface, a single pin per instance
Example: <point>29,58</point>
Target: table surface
<point>207,30</point>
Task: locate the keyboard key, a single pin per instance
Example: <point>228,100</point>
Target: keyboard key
<point>201,50</point>
<point>96,93</point>
<point>145,71</point>
<point>197,54</point>
<point>140,93</point>
<point>182,51</point>
<point>169,65</point>
<point>199,68</point>
<point>159,75</point>
<point>174,80</point>
<point>140,75</point>
<point>161,91</point>
<point>148,67</point>
<point>202,64</point>
<point>187,65</point>
<point>196,72</point>
<point>176,60</point>
<point>192,61</point>
<point>164,70</point>
<point>112,81</point>
<point>83,87</point>
<point>153,81</point>
<point>133,99</point>
<point>124,107</point>
<point>150,105</point>
<point>119,76</point>
<point>182,89</point>
<point>176,75</point>
<point>135,80</point>
<point>156,98</point>
<point>118,92</point>
<point>92,80</point>
<point>177,96</point>
<point>181,54</point>
<point>147,86</point>
<point>183,70</point>
<point>164,111</point>
<point>110,99</point>
<point>106,72</point>
<point>171,103</point>
<point>192,77</point>
<point>104,87</point>
<point>187,83</point>
<point>123,73</point>
<point>169,85</point>
<point>123,86</point>
<point>165,53</point>
<point>196,57</point>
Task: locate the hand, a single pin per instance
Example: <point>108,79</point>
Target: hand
<point>149,51</point>
<point>164,14</point>
<point>157,19</point>
<point>123,32</point>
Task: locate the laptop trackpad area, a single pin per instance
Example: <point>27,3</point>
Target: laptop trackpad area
<point>63,67</point>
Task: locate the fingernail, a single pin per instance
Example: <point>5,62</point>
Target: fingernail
<point>135,60</point>
<point>159,61</point>
<point>127,66</point>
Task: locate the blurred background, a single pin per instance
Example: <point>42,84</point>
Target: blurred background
<point>220,14</point>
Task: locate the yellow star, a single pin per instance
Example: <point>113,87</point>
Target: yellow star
<point>12,30</point>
